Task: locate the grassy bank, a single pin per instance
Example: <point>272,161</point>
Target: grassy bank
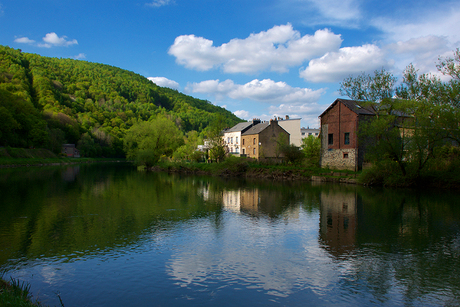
<point>249,168</point>
<point>37,156</point>
<point>16,293</point>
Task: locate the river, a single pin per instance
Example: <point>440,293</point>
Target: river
<point>108,235</point>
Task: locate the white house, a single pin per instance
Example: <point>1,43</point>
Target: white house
<point>232,136</point>
<point>306,132</point>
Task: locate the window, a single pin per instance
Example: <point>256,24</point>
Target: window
<point>237,150</point>
<point>346,139</point>
<point>228,140</point>
<point>254,151</point>
<point>330,139</point>
<point>244,150</point>
<point>231,140</point>
<point>254,141</point>
<point>236,141</point>
<point>242,141</point>
<point>345,155</point>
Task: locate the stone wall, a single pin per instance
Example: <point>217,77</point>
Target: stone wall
<point>339,158</point>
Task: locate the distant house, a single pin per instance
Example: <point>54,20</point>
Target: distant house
<point>260,140</point>
<point>292,126</point>
<point>70,151</point>
<point>232,136</point>
<point>339,134</point>
<point>306,132</point>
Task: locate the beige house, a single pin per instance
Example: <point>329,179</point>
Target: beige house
<point>292,126</point>
<point>260,140</point>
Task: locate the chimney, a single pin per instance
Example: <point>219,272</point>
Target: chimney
<point>287,116</point>
<point>255,121</point>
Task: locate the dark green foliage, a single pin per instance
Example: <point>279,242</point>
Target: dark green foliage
<point>92,104</point>
<point>293,154</point>
<point>16,293</point>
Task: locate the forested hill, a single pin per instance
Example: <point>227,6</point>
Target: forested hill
<point>45,102</point>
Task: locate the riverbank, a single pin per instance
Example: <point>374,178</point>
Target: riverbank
<point>448,178</point>
<point>20,157</point>
<point>238,167</point>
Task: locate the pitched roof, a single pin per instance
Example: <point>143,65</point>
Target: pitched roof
<point>256,129</point>
<point>353,105</point>
<point>239,127</point>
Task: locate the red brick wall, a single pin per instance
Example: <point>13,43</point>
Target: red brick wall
<point>341,119</point>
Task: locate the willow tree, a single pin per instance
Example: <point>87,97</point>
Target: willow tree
<point>146,142</point>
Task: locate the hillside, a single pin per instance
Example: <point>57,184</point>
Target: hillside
<point>45,102</point>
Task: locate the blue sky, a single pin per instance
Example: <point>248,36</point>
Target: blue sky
<point>258,59</point>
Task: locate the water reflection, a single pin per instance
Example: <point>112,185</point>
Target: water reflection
<point>89,230</point>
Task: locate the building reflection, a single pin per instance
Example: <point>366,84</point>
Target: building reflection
<point>70,173</point>
<point>338,221</point>
<point>256,202</point>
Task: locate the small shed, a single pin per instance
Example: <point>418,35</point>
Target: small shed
<point>70,151</point>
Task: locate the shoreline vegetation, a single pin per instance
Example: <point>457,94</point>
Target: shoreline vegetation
<point>16,293</point>
<point>249,168</point>
<point>20,157</point>
<point>381,174</point>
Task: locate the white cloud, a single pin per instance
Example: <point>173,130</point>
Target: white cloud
<point>341,10</point>
<point>158,3</point>
<point>164,82</point>
<point>422,36</point>
<point>80,56</point>
<point>242,114</point>
<point>309,112</point>
<point>277,49</point>
<point>265,90</point>
<point>52,39</point>
<point>24,40</point>
<point>334,66</point>
<point>441,21</point>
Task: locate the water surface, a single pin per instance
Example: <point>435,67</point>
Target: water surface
<point>107,235</point>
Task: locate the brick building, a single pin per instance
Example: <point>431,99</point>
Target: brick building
<point>339,134</point>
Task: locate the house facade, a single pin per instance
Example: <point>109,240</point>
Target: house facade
<point>292,126</point>
<point>260,140</point>
<point>306,132</point>
<point>232,136</point>
<point>339,134</point>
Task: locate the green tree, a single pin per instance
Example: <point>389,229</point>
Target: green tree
<point>282,142</point>
<point>311,147</point>
<point>293,154</point>
<point>365,87</point>
<point>146,142</point>
<point>216,141</point>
